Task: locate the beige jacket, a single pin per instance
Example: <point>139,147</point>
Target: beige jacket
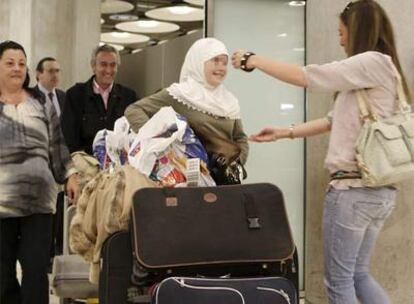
<point>104,208</point>
<point>87,166</point>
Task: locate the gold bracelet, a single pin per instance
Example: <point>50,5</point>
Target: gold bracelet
<point>291,136</point>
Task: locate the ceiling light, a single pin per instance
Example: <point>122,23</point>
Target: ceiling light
<point>180,10</point>
<point>287,106</point>
<point>146,6</point>
<point>120,35</point>
<point>113,7</point>
<point>123,17</point>
<point>155,29</point>
<point>176,14</point>
<point>125,39</point>
<point>282,35</point>
<point>297,3</point>
<point>148,23</point>
<point>298,49</point>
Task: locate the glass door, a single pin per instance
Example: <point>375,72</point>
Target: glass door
<point>276,29</point>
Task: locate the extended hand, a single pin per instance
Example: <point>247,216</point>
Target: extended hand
<point>236,58</point>
<point>269,134</point>
<point>72,188</point>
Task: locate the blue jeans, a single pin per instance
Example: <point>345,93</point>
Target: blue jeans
<point>351,223</point>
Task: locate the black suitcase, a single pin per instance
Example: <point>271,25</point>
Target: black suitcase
<point>237,230</point>
<point>115,285</point>
<point>182,290</point>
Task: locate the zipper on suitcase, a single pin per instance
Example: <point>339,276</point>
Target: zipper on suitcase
<point>182,283</point>
<point>293,266</point>
<point>284,267</point>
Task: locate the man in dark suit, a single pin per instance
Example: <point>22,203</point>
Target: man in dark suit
<point>96,104</point>
<point>48,79</point>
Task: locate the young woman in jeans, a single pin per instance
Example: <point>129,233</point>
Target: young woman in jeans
<point>353,214</point>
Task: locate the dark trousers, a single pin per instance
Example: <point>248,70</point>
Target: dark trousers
<point>57,236</point>
<point>26,239</point>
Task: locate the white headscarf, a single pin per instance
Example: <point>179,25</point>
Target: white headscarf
<point>193,89</point>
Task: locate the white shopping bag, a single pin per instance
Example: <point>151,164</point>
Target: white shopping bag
<point>155,137</point>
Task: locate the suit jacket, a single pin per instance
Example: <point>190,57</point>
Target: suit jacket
<point>84,113</point>
<point>61,96</point>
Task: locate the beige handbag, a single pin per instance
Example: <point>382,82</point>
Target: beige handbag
<point>385,147</point>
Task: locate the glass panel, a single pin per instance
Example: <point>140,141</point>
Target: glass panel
<point>273,28</point>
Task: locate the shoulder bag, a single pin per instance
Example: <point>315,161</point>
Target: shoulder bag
<point>385,146</point>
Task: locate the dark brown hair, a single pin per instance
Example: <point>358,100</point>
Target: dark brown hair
<point>39,67</point>
<point>370,29</point>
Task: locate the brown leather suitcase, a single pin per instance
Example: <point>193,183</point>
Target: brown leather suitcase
<point>115,285</point>
<point>237,230</point>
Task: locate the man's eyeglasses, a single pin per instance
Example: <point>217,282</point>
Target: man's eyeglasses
<point>52,71</point>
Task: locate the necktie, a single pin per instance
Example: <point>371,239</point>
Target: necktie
<point>50,94</point>
<point>54,103</point>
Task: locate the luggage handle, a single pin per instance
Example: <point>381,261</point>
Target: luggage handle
<point>253,220</point>
<point>181,282</point>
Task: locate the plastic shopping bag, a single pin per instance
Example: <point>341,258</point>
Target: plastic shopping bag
<point>163,146</point>
<point>111,147</point>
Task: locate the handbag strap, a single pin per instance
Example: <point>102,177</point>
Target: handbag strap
<point>365,106</point>
<point>402,102</point>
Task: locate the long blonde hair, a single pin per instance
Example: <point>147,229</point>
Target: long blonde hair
<point>370,29</point>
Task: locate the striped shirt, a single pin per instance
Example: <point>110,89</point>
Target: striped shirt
<point>33,158</point>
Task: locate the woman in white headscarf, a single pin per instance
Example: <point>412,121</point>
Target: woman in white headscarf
<point>212,111</point>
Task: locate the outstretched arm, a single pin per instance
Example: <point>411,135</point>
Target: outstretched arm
<point>310,128</point>
<point>286,72</point>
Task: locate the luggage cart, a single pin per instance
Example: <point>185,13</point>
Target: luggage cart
<point>70,274</point>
